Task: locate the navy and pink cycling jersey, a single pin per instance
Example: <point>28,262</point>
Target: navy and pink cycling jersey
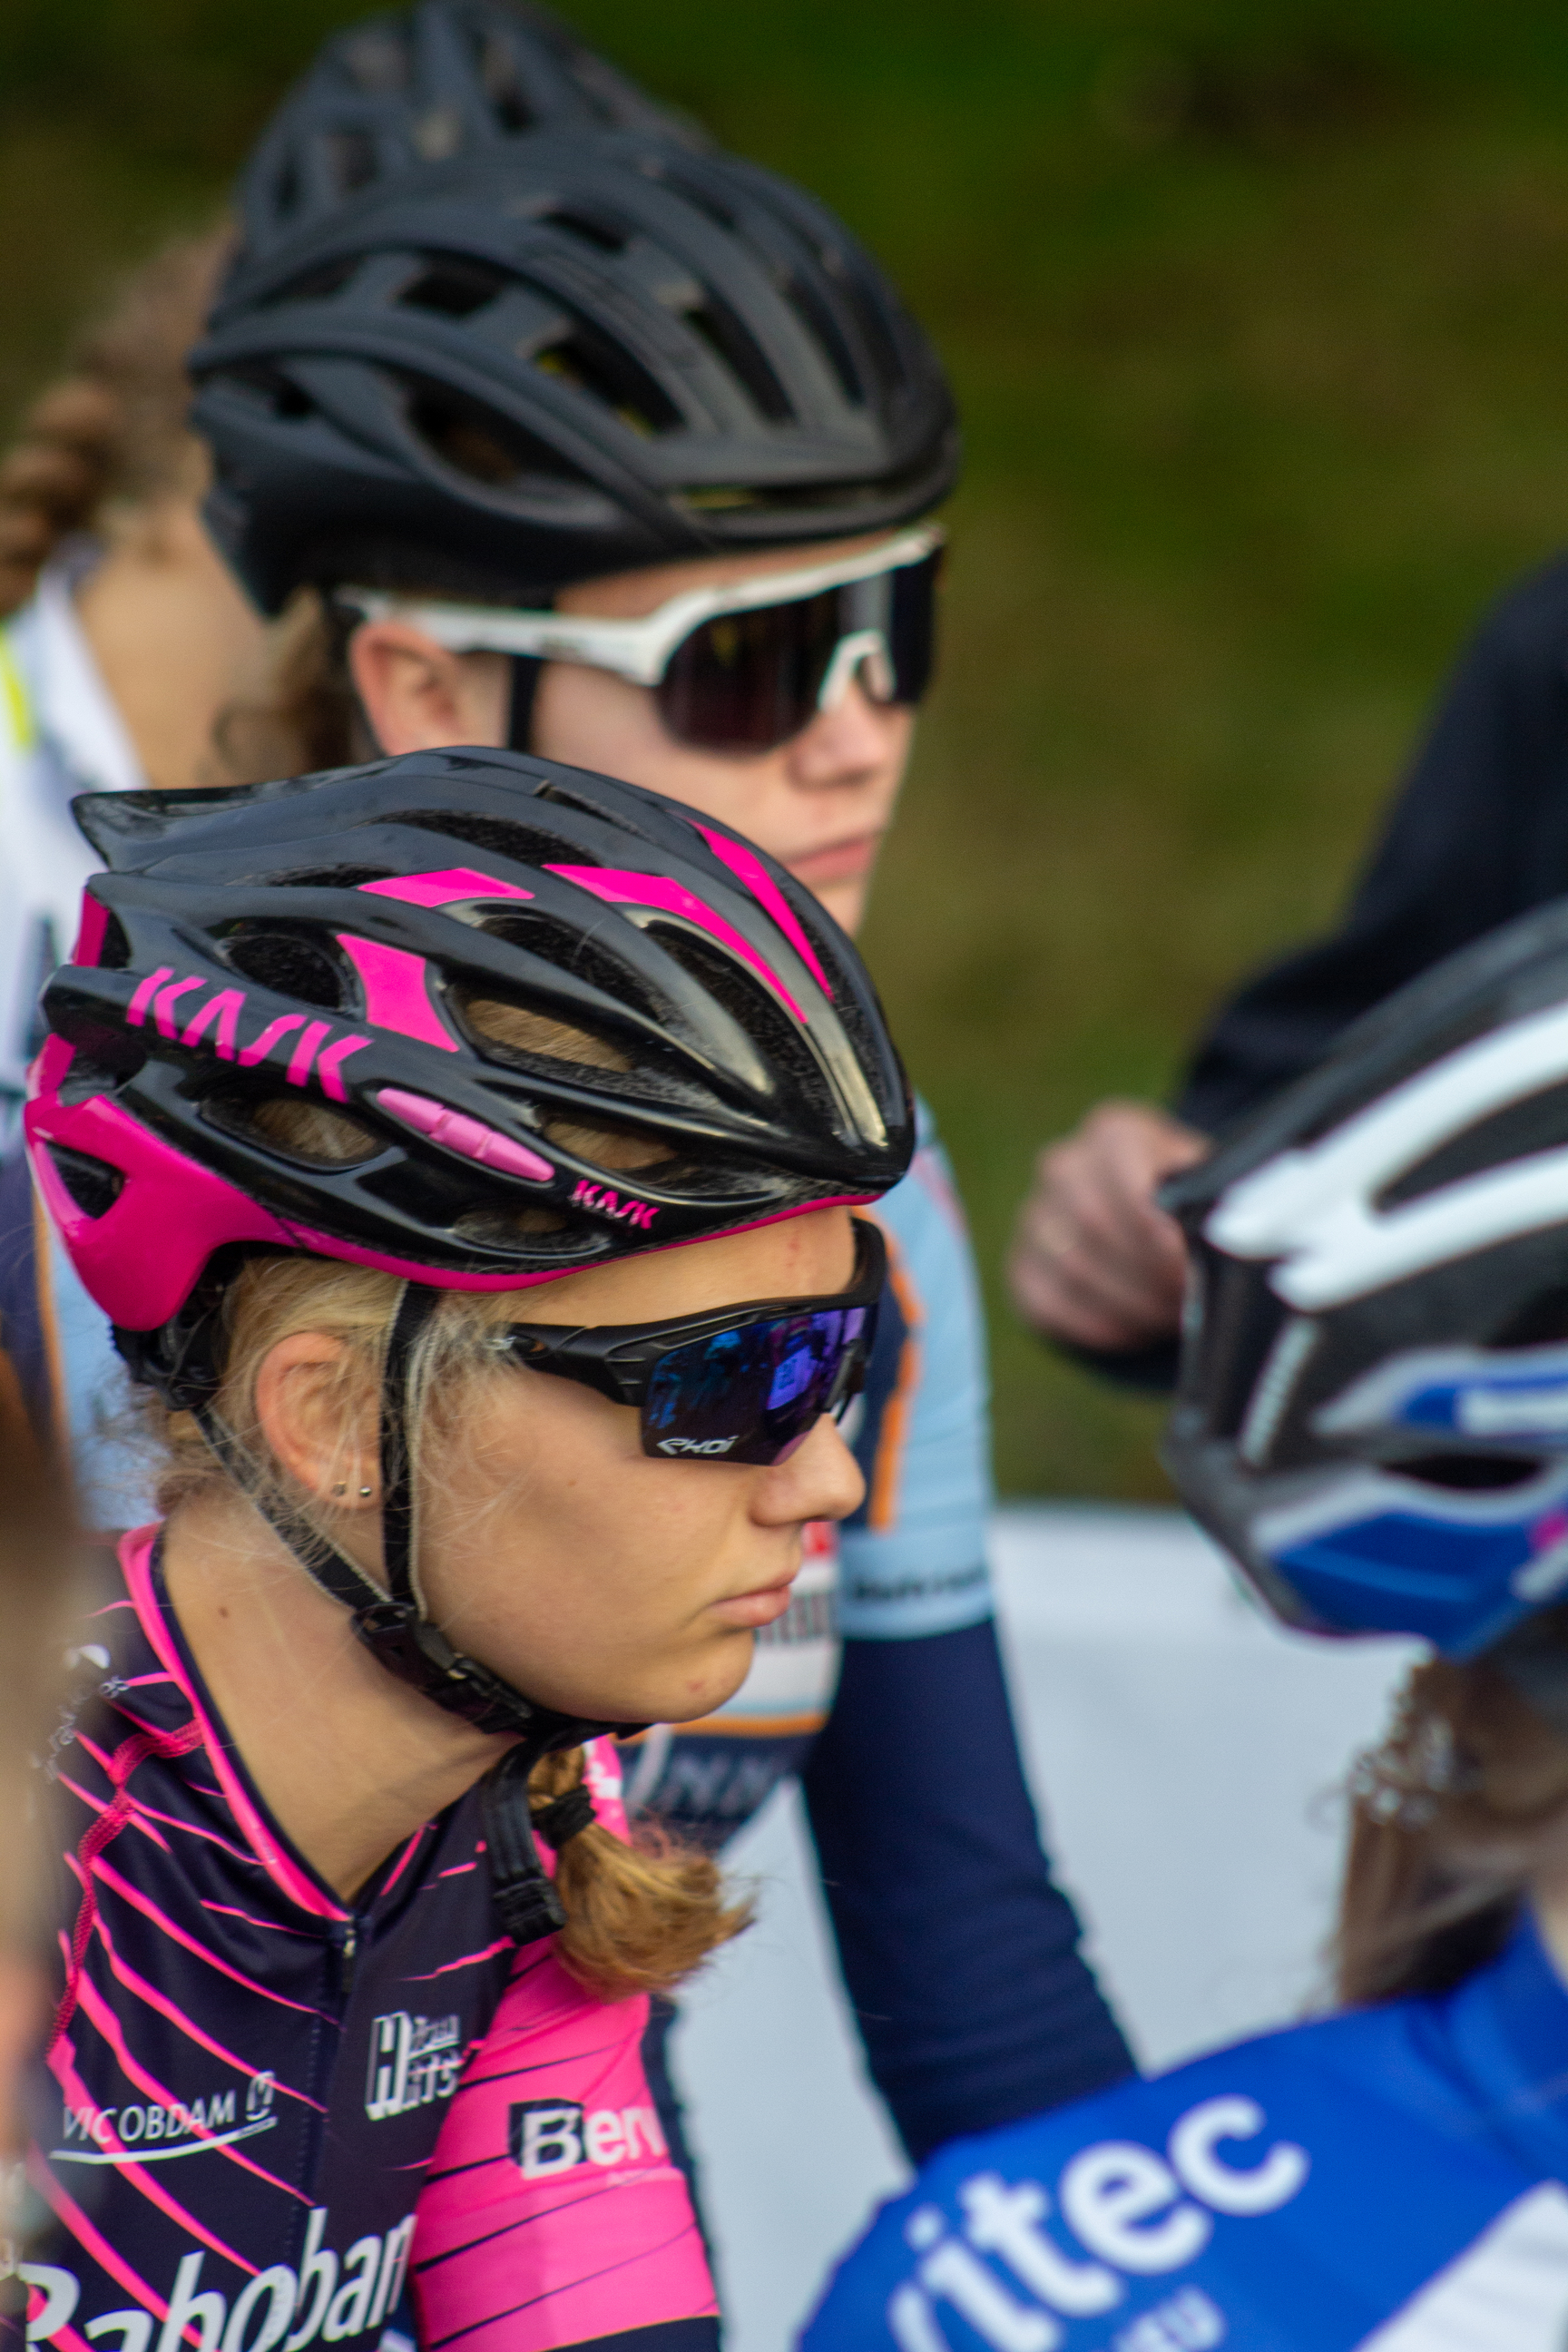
<point>267,2111</point>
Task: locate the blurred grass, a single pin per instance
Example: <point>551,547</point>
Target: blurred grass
<point>1260,324</point>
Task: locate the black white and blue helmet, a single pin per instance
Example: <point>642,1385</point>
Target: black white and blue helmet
<point>1372,1412</point>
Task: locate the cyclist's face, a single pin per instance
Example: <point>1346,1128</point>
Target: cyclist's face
<point>601,1582</point>
<point>821,802</point>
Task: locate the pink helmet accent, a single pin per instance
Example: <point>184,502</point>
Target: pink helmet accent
<point>749,868</point>
<point>622,889</point>
<point>141,1259</point>
<point>442,890</point>
<point>471,1137</point>
<point>396,990</point>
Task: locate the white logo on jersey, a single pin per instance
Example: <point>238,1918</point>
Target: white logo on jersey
<point>412,2060</point>
<point>553,2135</point>
<point>1125,2207</point>
<point>330,2295</point>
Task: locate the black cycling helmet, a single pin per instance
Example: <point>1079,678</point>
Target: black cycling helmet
<point>1372,1412</point>
<point>546,1017</point>
<point>537,1018</point>
<point>588,353</point>
<point>451,78</point>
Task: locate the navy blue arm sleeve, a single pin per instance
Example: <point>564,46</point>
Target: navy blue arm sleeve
<point>1479,835</point>
<point>960,1954</point>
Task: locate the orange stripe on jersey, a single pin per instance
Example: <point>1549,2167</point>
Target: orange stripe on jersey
<point>882,1510</point>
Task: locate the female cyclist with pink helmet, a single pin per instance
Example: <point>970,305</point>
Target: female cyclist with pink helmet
<point>464,1151</point>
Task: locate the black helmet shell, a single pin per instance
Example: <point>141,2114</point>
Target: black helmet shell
<point>600,351</point>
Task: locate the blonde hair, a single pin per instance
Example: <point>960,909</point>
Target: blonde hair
<point>112,433</point>
<point>1466,1800</point>
<point>639,1916</point>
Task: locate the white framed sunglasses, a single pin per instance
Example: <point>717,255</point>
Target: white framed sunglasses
<point>737,668</point>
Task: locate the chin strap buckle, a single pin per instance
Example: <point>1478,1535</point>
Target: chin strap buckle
<point>418,1653</point>
<point>525,1898</point>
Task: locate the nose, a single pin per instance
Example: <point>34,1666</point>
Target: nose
<point>821,1480</point>
<point>853,744</point>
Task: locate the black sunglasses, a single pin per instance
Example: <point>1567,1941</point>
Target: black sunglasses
<point>741,1384</point>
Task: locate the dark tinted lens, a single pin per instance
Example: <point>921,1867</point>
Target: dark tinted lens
<point>912,626</point>
<point>752,1395</point>
<point>748,681</point>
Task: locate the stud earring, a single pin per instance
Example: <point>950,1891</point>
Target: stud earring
<point>340,1489</point>
<point>365,1492</point>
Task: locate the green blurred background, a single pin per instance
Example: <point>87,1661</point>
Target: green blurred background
<point>1257,319</point>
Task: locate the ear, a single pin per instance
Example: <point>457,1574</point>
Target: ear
<point>419,698</point>
<point>316,1428</point>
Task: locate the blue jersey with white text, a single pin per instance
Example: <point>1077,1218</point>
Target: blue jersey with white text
<point>1387,2181</point>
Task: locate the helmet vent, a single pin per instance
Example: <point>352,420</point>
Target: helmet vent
<point>1539,1123</point>
<point>1541,1320</point>
<point>115,955</point>
<point>770,1030</point>
<point>498,836</point>
<point>731,342</point>
<point>518,1034</point>
<point>353,160</point>
<point>541,935</point>
<point>453,287</point>
<point>613,377</point>
<point>92,1184</point>
<point>315,285</point>
<point>820,323</point>
<point>473,440</point>
<point>294,1127</point>
<point>290,963</point>
<point>502,85</point>
<point>596,229</point>
<point>1467,1473</point>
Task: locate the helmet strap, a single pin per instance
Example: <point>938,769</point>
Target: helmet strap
<point>526,673</point>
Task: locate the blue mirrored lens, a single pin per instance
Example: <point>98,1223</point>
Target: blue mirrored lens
<point>752,1395</point>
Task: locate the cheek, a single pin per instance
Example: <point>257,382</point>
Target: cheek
<point>590,719</point>
<point>548,1511</point>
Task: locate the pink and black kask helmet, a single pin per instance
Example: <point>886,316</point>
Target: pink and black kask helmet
<point>702,1049</point>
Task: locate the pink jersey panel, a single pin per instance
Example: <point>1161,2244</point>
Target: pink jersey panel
<point>552,2213</point>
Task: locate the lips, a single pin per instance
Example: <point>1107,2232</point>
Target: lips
<point>765,1606</point>
<point>840,861</point>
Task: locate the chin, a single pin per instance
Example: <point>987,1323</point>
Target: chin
<point>845,902</point>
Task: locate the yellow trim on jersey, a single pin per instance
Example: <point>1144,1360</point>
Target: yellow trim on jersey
<point>14,699</point>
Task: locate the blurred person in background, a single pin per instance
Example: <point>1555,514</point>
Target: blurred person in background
<point>439,1509</point>
<point>1478,835</point>
<point>1373,1418</point>
<point>37,1591</point>
<point>618,449</point>
<point>126,633</point>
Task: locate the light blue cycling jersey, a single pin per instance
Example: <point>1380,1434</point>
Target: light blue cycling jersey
<point>1388,2180</point>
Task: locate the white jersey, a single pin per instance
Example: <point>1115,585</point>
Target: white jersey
<point>60,734</point>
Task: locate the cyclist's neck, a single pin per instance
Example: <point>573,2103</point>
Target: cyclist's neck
<point>349,1761</point>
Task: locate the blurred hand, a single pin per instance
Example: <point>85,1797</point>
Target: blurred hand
<point>1093,1261</point>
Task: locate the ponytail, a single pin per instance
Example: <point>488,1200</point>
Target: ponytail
<point>1452,1818</point>
<point>114,428</point>
<point>639,1917</point>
